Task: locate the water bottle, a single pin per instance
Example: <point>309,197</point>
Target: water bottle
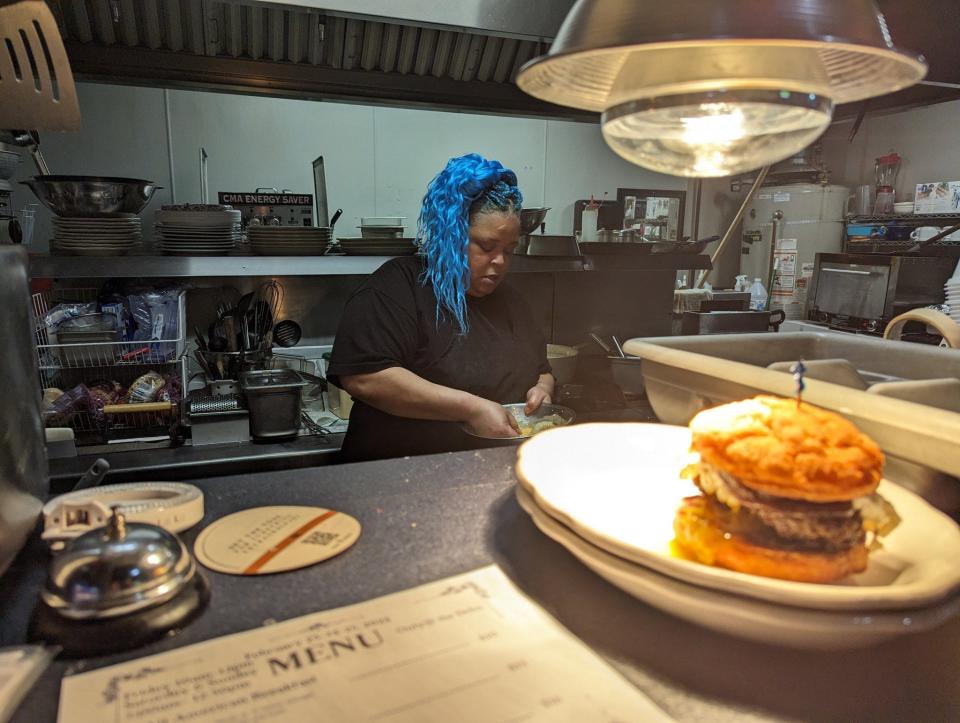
<point>758,296</point>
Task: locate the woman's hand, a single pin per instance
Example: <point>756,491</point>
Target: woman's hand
<point>489,419</point>
<point>539,394</point>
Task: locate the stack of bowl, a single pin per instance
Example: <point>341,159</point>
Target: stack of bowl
<point>97,215</point>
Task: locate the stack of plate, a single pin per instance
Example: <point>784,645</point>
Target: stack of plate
<point>378,246</point>
<point>952,292</point>
<point>621,527</point>
<point>112,235</point>
<point>381,227</point>
<point>197,230</point>
<point>289,240</point>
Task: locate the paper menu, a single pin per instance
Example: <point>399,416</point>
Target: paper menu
<point>468,648</point>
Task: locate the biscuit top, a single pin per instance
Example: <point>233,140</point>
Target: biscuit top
<point>776,447</point>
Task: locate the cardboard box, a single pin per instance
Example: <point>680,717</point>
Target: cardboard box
<point>937,197</point>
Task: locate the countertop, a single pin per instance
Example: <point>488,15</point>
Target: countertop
<point>152,462</point>
<point>426,518</point>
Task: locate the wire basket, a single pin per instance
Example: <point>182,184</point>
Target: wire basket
<point>112,423</point>
<point>65,366</point>
<point>53,356</point>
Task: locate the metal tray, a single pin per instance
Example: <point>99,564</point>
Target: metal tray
<point>683,375</point>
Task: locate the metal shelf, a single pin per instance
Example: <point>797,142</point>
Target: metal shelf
<point>895,218</point>
<point>84,267</point>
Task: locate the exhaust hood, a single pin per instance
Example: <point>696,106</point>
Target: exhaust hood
<point>451,55</point>
<point>446,54</point>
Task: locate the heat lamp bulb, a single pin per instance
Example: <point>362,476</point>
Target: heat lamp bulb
<point>715,134</point>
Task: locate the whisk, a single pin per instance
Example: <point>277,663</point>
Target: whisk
<point>264,308</point>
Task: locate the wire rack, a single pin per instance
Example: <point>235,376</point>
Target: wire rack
<point>53,356</point>
<point>66,365</point>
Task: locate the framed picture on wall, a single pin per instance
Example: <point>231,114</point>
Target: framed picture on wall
<point>656,214</point>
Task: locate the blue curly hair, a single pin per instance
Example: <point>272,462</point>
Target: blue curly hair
<point>468,186</point>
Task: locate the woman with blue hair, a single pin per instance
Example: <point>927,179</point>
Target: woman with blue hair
<point>435,341</point>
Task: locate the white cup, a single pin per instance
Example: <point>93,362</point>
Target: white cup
<point>924,232</point>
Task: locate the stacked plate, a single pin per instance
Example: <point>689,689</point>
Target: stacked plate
<point>197,230</point>
<point>289,240</point>
<point>952,293</point>
<point>113,235</point>
<point>621,527</point>
<point>378,246</point>
<point>381,227</point>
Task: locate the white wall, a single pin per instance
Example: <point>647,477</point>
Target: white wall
<point>927,138</point>
<point>378,161</point>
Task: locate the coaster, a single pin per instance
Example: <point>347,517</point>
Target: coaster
<point>264,540</point>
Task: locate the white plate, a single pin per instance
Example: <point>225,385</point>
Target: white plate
<point>196,233</point>
<point>735,615</point>
<point>197,242</point>
<point>289,252</point>
<point>194,242</point>
<point>95,228</point>
<point>208,231</point>
<point>194,247</point>
<point>186,249</point>
<point>93,248</point>
<point>97,232</point>
<point>291,244</point>
<point>197,218</point>
<point>323,238</point>
<point>82,221</point>
<point>98,239</point>
<point>300,244</point>
<point>618,486</point>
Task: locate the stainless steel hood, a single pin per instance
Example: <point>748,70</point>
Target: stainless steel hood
<point>459,55</point>
<point>530,19</point>
<point>449,54</point>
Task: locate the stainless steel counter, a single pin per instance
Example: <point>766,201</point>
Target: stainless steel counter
<point>426,518</point>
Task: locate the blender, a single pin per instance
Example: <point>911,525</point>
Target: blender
<point>886,168</point>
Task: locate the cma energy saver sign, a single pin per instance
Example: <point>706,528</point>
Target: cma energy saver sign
<point>265,199</point>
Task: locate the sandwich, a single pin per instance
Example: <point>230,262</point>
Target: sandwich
<point>788,491</point>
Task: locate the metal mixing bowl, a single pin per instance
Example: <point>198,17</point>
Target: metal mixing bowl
<point>87,196</point>
<point>531,218</point>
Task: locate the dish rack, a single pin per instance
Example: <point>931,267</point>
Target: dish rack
<point>66,365</point>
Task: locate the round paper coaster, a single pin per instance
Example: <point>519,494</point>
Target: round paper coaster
<point>263,540</point>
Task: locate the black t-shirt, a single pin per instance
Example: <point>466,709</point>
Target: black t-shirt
<point>391,321</point>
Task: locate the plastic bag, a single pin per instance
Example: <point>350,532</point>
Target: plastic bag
<point>145,389</point>
<point>172,391</point>
<point>62,312</point>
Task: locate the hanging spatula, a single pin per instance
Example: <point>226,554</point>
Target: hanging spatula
<point>36,84</point>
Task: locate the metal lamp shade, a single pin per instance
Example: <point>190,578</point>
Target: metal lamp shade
<point>612,51</point>
<point>711,89</point>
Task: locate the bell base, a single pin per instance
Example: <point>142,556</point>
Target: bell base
<point>89,638</point>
